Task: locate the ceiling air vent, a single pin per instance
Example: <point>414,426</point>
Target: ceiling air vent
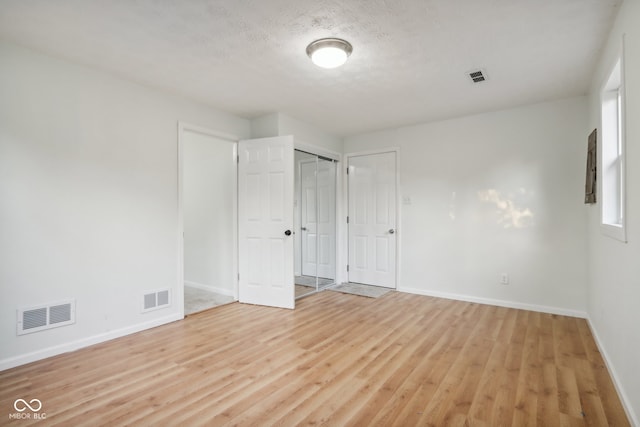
<point>477,76</point>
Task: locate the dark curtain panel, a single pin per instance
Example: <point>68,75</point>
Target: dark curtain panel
<point>590,184</point>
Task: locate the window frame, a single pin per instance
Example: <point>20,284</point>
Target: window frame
<point>613,156</point>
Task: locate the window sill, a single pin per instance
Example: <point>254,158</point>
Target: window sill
<point>615,231</point>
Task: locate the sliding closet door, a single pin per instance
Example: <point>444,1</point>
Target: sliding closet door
<point>315,222</point>
<point>326,218</point>
<point>308,218</point>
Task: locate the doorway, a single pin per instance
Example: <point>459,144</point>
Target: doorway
<point>372,218</point>
<point>314,222</point>
<point>236,212</point>
<point>208,206</point>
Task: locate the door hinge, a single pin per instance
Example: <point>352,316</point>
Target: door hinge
<point>347,268</point>
<point>238,158</point>
<point>347,219</point>
<point>347,170</point>
<point>238,276</point>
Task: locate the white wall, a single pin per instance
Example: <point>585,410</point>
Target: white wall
<point>88,190</point>
<point>265,126</point>
<point>308,134</point>
<point>614,267</point>
<point>489,194</point>
<point>277,124</point>
<point>209,187</point>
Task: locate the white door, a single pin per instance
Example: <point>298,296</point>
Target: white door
<point>372,219</point>
<point>265,221</point>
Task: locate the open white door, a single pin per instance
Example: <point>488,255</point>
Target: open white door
<point>372,219</point>
<point>265,221</point>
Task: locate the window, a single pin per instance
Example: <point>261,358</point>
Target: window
<point>613,154</point>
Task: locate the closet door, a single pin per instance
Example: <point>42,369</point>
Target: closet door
<point>326,219</point>
<point>265,221</point>
<point>308,218</point>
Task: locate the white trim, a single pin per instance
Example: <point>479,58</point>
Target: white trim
<point>182,127</point>
<point>222,291</point>
<point>180,229</point>
<point>615,231</point>
<point>345,201</point>
<point>500,303</point>
<point>626,402</point>
<point>340,222</point>
<point>314,149</point>
<point>398,222</point>
<point>84,342</point>
<point>375,151</point>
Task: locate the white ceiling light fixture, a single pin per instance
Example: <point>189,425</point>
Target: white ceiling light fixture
<point>329,52</point>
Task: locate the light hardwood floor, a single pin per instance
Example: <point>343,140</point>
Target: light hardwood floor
<point>338,359</point>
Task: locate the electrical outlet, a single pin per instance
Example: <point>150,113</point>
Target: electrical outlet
<point>504,279</point>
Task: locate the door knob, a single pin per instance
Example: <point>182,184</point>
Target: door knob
<point>287,233</point>
<point>391,231</point>
<point>304,229</point>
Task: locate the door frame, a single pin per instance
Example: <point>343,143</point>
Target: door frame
<point>232,139</point>
<point>345,203</point>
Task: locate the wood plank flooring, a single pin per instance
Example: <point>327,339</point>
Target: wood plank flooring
<point>337,360</point>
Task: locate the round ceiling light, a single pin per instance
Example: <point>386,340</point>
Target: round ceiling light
<point>330,52</point>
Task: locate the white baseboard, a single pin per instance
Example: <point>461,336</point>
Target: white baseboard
<point>222,291</point>
<point>85,342</point>
<point>626,402</point>
<point>499,303</point>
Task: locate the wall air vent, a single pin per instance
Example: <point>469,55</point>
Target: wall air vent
<point>39,318</point>
<point>155,300</point>
<point>477,76</point>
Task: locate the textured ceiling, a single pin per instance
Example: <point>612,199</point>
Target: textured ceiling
<point>408,65</point>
